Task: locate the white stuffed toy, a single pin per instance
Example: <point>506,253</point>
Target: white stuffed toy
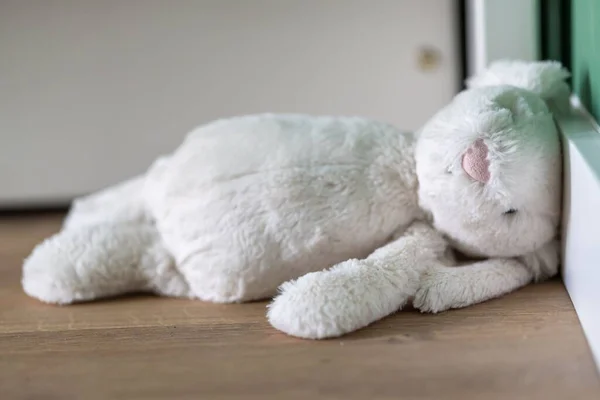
<point>343,220</point>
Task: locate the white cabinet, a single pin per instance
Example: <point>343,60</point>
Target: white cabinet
<point>91,91</point>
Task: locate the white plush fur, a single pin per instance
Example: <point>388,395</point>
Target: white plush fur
<point>349,218</point>
<point>248,203</point>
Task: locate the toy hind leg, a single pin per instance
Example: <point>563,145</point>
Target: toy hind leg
<point>108,246</point>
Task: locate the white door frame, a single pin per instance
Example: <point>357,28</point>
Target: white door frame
<point>501,29</point>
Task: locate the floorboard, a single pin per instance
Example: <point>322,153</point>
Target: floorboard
<point>526,345</point>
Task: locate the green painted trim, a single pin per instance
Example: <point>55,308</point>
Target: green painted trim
<point>585,53</point>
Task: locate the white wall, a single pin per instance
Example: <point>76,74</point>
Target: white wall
<point>91,91</point>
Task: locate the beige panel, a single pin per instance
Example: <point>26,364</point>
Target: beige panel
<point>92,91</point>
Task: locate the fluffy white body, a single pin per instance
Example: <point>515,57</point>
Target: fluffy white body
<point>350,218</point>
<point>268,198</point>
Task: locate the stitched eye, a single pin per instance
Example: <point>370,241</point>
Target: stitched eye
<point>510,212</point>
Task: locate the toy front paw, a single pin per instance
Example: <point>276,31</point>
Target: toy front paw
<point>437,293</point>
<point>321,304</point>
<point>428,239</point>
<point>301,310</point>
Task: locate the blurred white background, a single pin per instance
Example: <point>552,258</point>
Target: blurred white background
<point>91,91</point>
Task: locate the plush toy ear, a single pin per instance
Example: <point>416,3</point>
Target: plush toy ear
<point>475,162</point>
<point>544,78</point>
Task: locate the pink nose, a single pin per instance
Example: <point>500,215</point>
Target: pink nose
<point>475,162</point>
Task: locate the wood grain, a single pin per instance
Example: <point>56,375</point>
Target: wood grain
<point>526,345</point>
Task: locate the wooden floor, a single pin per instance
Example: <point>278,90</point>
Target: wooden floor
<point>527,345</point>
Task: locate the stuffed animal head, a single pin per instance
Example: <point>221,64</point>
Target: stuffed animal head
<point>489,163</point>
